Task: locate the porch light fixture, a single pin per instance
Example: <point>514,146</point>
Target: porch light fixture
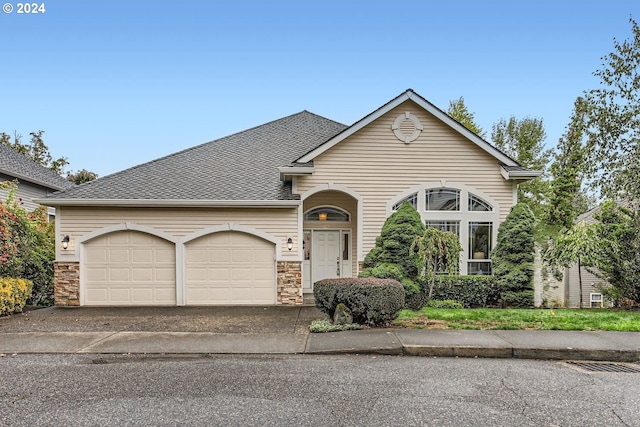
<point>65,242</point>
<point>289,243</point>
<point>322,216</point>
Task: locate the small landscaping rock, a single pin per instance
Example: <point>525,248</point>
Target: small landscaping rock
<point>343,315</point>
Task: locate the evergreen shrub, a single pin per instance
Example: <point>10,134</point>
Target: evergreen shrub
<point>372,301</point>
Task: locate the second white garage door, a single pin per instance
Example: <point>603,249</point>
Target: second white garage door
<point>230,268</point>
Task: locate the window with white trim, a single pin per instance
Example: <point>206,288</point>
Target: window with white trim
<point>466,212</point>
<point>412,199</point>
<point>326,213</point>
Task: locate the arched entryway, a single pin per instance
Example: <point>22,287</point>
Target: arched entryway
<point>330,236</point>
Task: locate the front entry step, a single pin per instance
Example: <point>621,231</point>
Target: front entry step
<point>308,299</point>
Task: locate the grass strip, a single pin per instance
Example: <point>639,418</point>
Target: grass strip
<point>518,319</point>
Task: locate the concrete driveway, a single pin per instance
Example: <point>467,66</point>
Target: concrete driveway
<point>213,319</point>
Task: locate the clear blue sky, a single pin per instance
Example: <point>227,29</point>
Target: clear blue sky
<point>118,83</point>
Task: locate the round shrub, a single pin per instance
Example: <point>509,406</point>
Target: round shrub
<point>372,301</point>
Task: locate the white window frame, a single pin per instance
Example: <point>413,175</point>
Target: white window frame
<point>594,299</point>
<point>464,216</point>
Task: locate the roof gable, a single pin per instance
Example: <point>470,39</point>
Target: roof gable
<point>19,166</point>
<point>409,94</point>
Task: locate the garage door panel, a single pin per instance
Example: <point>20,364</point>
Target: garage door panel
<point>166,275</point>
<point>220,255</point>
<point>98,295</point>
<point>118,255</point>
<point>167,256</point>
<point>119,274</point>
<point>95,255</point>
<point>241,256</point>
<point>144,275</point>
<point>198,256</point>
<point>97,274</point>
<point>129,268</point>
<point>240,270</point>
<point>142,255</point>
<point>119,295</point>
<point>120,238</point>
<point>262,256</point>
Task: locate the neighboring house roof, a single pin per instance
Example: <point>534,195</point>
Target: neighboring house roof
<point>242,169</point>
<point>19,166</point>
<point>589,216</point>
<point>238,168</point>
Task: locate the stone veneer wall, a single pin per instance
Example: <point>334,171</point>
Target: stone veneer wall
<point>289,282</point>
<point>66,283</point>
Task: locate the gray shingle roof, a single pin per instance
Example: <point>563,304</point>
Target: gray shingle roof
<point>15,164</point>
<point>242,166</point>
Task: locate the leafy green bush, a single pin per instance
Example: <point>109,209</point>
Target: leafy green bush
<point>470,291</point>
<point>372,301</point>
<point>513,257</point>
<point>447,303</point>
<point>27,242</point>
<point>13,294</point>
<point>325,325</point>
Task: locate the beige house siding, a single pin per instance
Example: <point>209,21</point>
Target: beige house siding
<point>177,222</point>
<point>379,167</point>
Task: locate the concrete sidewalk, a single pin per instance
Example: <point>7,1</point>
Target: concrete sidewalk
<point>276,330</point>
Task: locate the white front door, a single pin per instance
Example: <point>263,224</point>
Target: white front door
<point>325,255</point>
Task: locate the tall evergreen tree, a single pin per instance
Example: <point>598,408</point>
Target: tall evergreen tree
<point>513,257</point>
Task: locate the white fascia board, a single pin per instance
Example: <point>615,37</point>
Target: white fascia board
<point>297,170</point>
<point>519,175</point>
<point>409,94</point>
<point>286,171</point>
<point>170,203</point>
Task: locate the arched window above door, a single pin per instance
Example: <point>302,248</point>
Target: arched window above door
<point>327,213</point>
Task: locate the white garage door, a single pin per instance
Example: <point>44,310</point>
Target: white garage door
<point>129,268</point>
<point>230,268</point>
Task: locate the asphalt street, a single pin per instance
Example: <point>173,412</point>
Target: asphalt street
<point>305,390</point>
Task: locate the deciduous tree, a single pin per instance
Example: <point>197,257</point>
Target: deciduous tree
<point>614,121</point>
<point>523,141</point>
<point>459,111</point>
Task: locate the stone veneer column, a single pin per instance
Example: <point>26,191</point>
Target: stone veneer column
<point>66,283</point>
<point>290,282</point>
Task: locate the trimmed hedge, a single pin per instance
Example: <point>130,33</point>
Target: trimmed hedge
<point>471,291</point>
<point>371,301</point>
<point>13,294</point>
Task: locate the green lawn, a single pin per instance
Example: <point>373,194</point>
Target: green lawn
<point>489,318</point>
